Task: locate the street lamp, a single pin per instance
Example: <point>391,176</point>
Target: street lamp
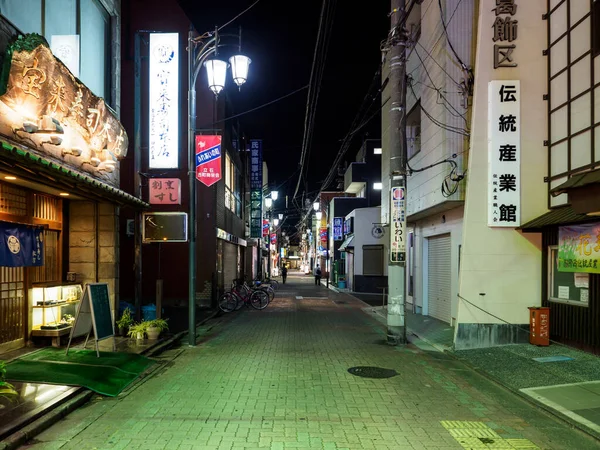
<point>280,216</point>
<point>199,50</point>
<point>276,222</point>
<point>274,195</point>
<point>268,202</point>
<point>319,215</point>
<point>316,206</point>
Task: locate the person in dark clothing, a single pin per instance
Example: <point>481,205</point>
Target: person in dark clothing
<point>317,275</point>
<point>284,273</point>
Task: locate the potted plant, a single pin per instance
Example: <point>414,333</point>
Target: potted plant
<point>125,322</point>
<point>6,389</point>
<point>155,327</point>
<point>138,330</point>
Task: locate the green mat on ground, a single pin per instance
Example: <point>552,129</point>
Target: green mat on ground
<point>107,375</point>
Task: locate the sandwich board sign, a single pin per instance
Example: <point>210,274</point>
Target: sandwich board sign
<point>93,314</point>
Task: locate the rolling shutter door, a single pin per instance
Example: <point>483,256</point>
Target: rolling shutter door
<point>230,264</point>
<point>439,277</point>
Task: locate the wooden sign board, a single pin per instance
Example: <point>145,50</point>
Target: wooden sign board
<point>93,314</point>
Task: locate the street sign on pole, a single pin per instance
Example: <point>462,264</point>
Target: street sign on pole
<point>398,225</point>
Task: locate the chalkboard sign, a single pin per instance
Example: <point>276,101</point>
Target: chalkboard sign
<point>94,314</point>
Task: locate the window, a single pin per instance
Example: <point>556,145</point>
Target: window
<point>232,187</point>
<point>413,130</point>
<point>61,18</point>
<point>566,287</point>
<point>373,260</point>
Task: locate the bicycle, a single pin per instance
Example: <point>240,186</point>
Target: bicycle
<point>240,295</point>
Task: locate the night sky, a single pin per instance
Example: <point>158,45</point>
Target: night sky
<point>280,39</point>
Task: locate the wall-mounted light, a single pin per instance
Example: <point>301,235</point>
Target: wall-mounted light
<point>64,194</point>
<point>10,177</point>
<point>378,186</point>
<point>377,151</point>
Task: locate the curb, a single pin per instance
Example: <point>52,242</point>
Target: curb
<point>18,438</point>
<point>55,414</point>
<point>573,423</point>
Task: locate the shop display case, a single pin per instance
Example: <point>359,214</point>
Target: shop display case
<point>53,308</point>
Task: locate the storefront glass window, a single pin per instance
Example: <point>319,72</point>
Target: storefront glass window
<point>60,17</point>
<point>26,15</point>
<point>566,286</point>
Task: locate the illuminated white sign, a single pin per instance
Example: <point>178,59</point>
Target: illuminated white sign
<point>504,152</point>
<point>66,48</point>
<point>164,101</point>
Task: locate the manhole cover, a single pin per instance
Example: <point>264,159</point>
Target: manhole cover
<point>372,372</point>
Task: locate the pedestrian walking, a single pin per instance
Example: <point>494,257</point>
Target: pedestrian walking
<point>317,275</point>
<point>284,273</point>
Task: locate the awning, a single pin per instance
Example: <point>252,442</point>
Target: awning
<point>347,243</point>
<point>29,165</point>
<point>577,181</point>
<point>559,216</point>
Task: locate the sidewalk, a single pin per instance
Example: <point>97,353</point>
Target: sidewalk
<point>40,405</point>
<point>560,379</point>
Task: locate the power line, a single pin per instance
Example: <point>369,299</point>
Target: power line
<point>263,105</point>
<point>463,65</point>
<point>239,15</point>
<point>316,75</point>
<point>442,125</point>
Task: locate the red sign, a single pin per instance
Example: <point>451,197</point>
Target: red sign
<point>165,191</point>
<point>274,238</point>
<point>323,234</point>
<point>208,159</point>
<point>265,227</point>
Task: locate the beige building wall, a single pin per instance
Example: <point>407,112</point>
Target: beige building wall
<point>502,263</point>
<point>94,246</point>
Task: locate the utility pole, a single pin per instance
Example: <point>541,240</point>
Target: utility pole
<point>396,327</point>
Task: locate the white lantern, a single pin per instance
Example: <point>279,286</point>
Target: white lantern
<point>276,222</point>
<point>216,71</point>
<point>239,69</point>
<point>280,216</point>
<point>268,202</point>
<point>316,206</point>
<point>319,215</point>
<point>274,195</point>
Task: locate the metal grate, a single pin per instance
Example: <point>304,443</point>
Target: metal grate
<point>372,372</point>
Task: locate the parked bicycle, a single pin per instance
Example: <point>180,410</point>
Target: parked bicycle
<point>241,294</point>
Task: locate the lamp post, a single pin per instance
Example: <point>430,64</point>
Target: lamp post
<point>199,49</point>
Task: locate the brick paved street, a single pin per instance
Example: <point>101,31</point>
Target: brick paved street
<point>279,379</point>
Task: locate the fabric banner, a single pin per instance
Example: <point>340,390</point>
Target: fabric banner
<point>21,245</point>
<point>208,159</point>
<point>265,228</point>
<point>323,234</point>
<point>579,248</point>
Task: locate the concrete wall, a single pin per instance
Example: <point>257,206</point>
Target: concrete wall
<point>502,262</point>
<point>94,245</point>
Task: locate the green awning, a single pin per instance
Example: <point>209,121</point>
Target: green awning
<point>29,165</point>
<point>347,243</point>
<point>577,181</point>
<point>559,216</point>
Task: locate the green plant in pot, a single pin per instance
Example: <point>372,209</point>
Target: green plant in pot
<point>155,327</point>
<point>138,330</point>
<point>125,322</point>
<point>6,389</point>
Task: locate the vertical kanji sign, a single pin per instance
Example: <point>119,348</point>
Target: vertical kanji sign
<point>208,159</point>
<point>504,153</point>
<point>398,225</point>
<point>257,225</point>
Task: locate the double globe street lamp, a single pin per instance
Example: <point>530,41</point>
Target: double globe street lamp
<point>199,50</point>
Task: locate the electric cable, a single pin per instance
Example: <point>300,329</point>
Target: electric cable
<point>463,65</point>
<point>239,15</point>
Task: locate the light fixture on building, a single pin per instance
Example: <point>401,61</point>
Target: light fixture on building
<point>274,195</point>
<point>268,202</point>
<point>319,215</point>
<point>10,177</point>
<point>64,194</point>
<point>239,69</point>
<point>316,206</point>
<point>377,186</point>
<point>377,151</point>
<point>216,73</point>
